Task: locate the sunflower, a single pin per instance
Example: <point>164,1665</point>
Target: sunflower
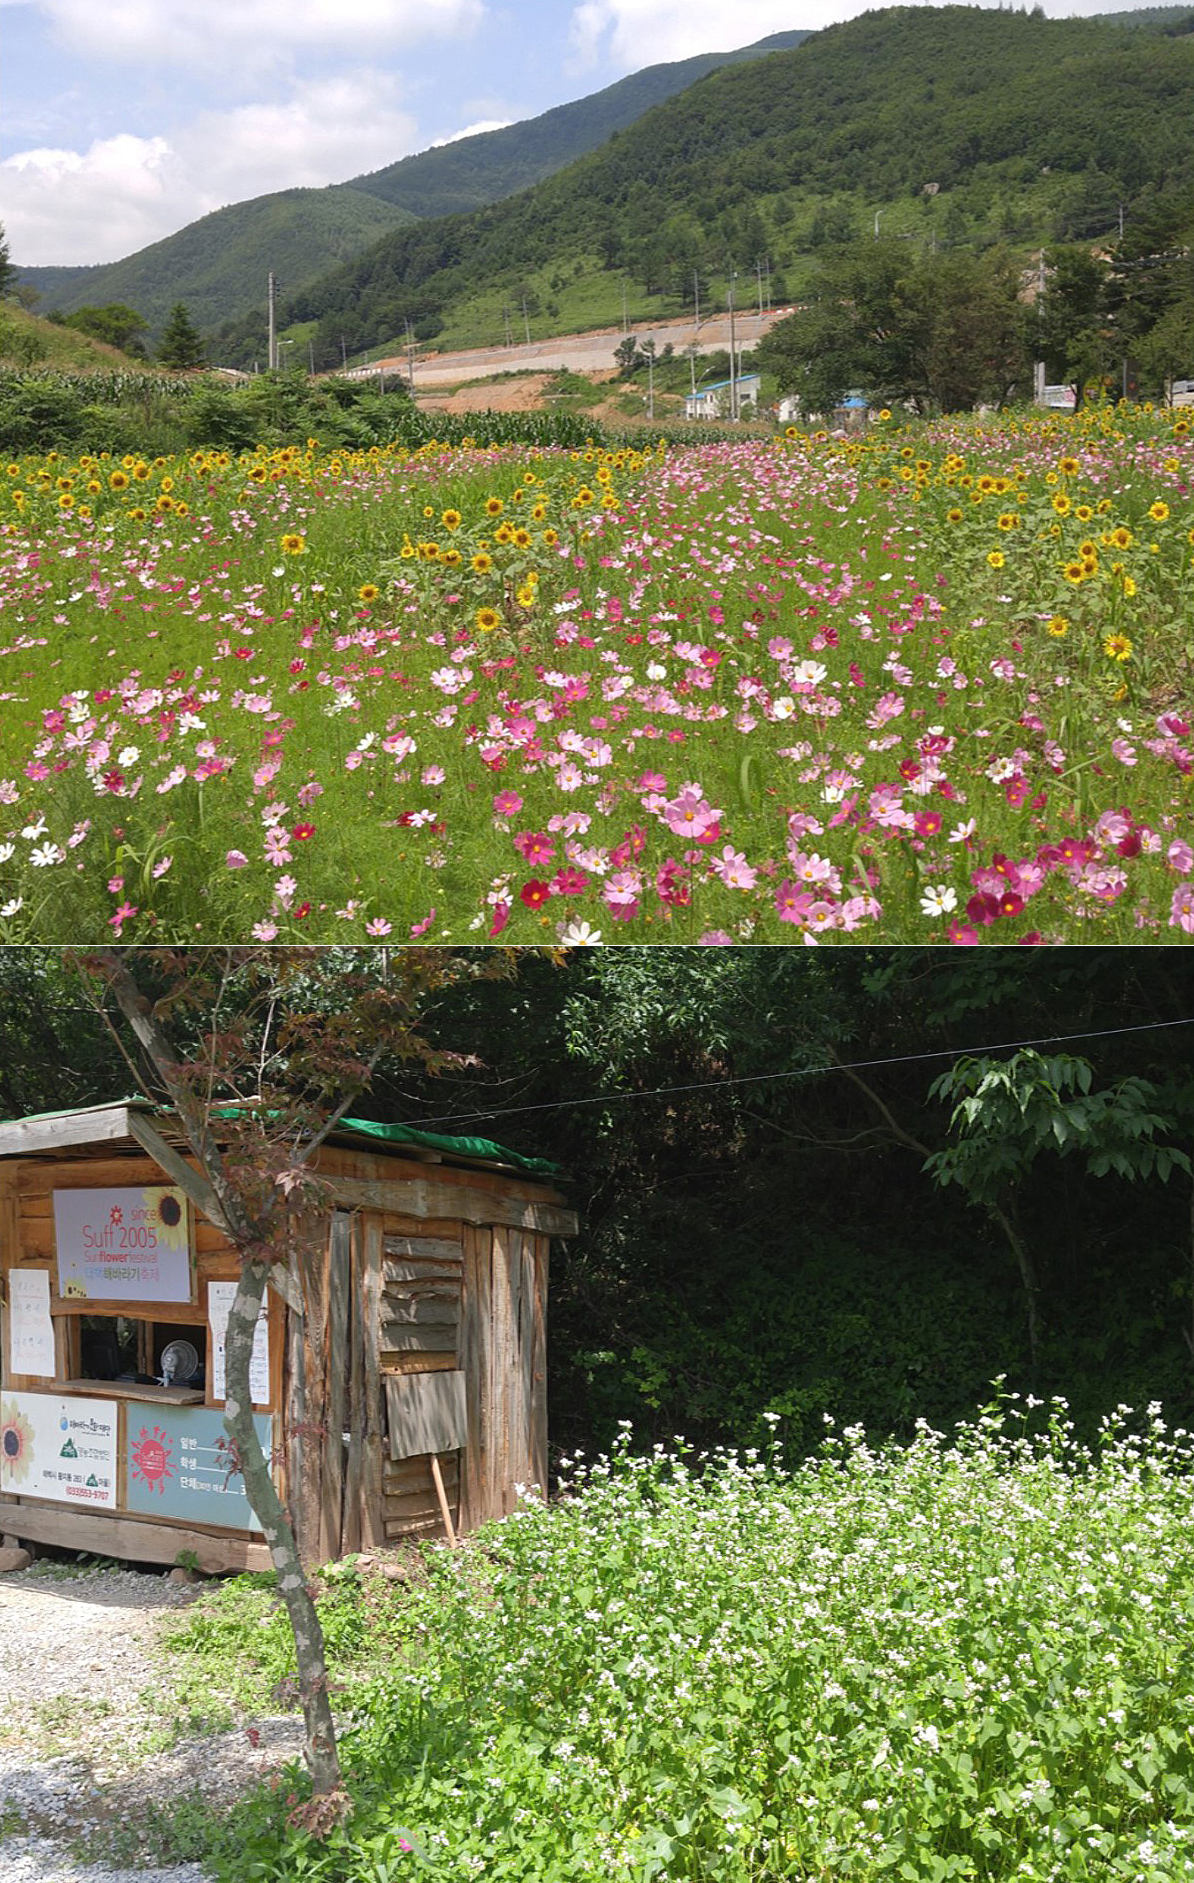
<point>996,558</point>
<point>1057,626</point>
<point>451,519</point>
<point>1117,647</point>
<point>481,563</point>
<point>1074,572</point>
<point>1008,520</point>
<point>494,506</point>
<point>368,592</point>
<point>294,545</point>
<point>16,1445</point>
<point>119,480</point>
<point>1068,467</point>
<point>1158,511</point>
<point>488,619</point>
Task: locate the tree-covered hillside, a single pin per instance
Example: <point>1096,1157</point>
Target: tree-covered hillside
<point>496,164</point>
<point>956,125</point>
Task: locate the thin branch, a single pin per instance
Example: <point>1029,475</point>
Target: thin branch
<point>809,1137</point>
<point>897,1130</point>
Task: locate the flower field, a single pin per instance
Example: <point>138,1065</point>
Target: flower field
<point>967,1658</point>
<point>935,684</point>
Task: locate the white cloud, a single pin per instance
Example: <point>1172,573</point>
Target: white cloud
<point>100,204</point>
<point>634,33</point>
<point>471,130</point>
<point>257,32</point>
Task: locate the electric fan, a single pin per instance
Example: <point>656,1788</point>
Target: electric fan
<point>179,1362</point>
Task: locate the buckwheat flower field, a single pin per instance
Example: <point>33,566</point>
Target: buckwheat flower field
<point>934,684</point>
<point>964,1658</point>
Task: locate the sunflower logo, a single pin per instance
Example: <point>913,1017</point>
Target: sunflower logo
<point>16,1445</point>
<point>169,1211</point>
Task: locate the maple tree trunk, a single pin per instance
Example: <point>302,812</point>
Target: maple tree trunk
<point>320,1748</point>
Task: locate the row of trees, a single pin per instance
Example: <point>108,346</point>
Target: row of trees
<point>947,332</point>
<point>180,346</point>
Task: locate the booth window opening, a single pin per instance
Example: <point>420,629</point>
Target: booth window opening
<point>120,1347</point>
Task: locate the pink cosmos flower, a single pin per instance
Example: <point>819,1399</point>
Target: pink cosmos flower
<point>378,927</point>
<point>507,804</point>
<point>124,914</point>
<point>534,846</point>
<point>734,870</point>
<point>1181,909</point>
<point>236,860</point>
<point>690,814</point>
<point>1180,856</point>
<point>418,929</point>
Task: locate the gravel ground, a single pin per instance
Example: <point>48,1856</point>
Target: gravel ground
<point>86,1739</point>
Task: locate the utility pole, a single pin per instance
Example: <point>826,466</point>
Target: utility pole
<point>625,325</point>
<point>696,295</point>
<point>506,318</point>
<point>878,213</point>
<point>311,356</point>
<point>273,325</point>
<point>651,386</point>
<point>410,356</point>
<point>733,351</point>
<point>759,275</point>
<point>344,352</point>
<point>1038,371</point>
<point>526,325</point>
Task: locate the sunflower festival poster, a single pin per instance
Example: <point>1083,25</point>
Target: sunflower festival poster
<point>123,1245</point>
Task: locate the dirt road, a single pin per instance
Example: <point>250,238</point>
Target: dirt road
<point>583,352</point>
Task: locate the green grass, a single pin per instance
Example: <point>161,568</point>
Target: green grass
<point>967,1658</point>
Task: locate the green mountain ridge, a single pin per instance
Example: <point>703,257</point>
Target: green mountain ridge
<point>218,264</point>
<point>958,124</point>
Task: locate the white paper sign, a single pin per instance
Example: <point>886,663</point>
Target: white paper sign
<point>30,1329</point>
<point>59,1448</point>
<point>220,1296</point>
<point>123,1245</point>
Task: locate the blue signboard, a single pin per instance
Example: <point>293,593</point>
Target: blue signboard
<point>179,1464</point>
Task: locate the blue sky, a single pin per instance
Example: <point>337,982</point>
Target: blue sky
<point>123,120</point>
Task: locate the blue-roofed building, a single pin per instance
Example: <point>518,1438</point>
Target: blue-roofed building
<point>713,401</point>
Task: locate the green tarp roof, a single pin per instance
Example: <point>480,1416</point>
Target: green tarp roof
<point>483,1149</point>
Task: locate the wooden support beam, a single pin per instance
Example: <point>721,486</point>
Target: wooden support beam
<point>133,1539</point>
<point>423,1197</point>
<point>193,1182</point>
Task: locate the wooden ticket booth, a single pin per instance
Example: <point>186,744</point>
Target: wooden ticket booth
<point>399,1374</point>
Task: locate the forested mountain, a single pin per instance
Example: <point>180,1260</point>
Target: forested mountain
<point>961,125</point>
<point>495,164</point>
<point>218,264</point>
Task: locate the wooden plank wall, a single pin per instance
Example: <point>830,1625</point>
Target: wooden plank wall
<point>504,1354</point>
<point>422,1268</point>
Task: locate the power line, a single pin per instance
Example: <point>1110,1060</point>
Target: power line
<point>800,1072</point>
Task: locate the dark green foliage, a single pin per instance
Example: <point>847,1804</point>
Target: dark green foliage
<point>114,323</point>
<point>8,272</point>
<point>982,102</point>
<point>180,345</point>
<point>940,331</point>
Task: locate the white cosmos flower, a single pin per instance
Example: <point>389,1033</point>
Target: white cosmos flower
<point>11,907</point>
<point>961,832</point>
<point>941,900</point>
<point>578,934</point>
<point>34,831</point>
<point>656,671</point>
<point>783,707</point>
<point>809,673</point>
<point>6,850</point>
<point>45,854</point>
